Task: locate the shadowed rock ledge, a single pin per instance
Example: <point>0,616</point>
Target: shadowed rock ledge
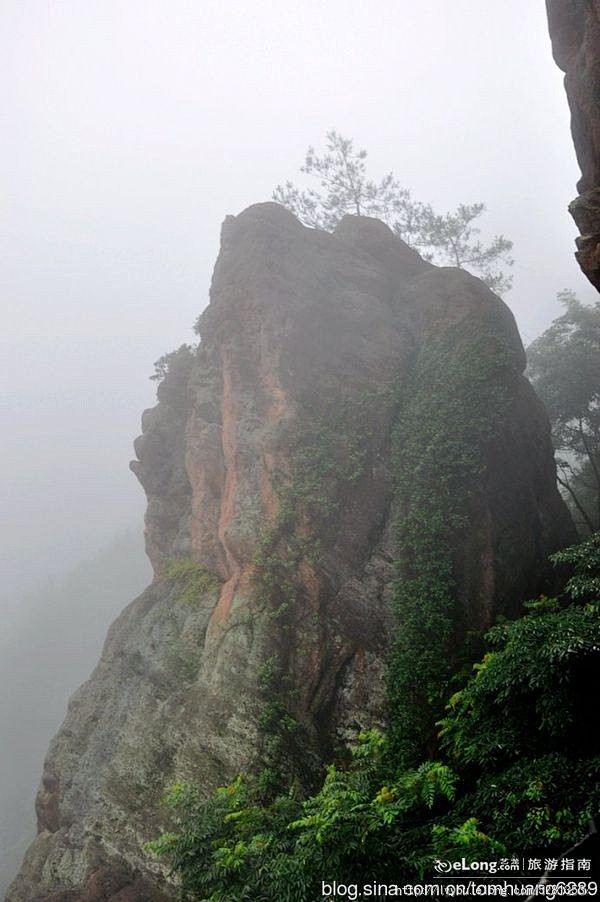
<point>305,342</point>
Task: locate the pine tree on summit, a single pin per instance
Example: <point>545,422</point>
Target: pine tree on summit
<point>446,240</point>
<point>345,187</point>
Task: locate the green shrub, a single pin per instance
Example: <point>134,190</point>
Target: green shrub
<point>191,579</point>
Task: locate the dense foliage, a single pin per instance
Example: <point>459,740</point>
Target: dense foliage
<point>447,240</point>
<point>231,848</point>
<point>451,406</point>
<point>516,770</point>
<point>520,729</point>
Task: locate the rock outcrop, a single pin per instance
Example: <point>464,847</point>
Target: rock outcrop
<point>575,33</point>
<point>269,471</point>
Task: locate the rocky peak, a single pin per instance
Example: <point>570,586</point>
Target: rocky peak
<point>270,465</point>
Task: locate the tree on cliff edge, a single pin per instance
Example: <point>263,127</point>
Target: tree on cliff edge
<point>446,240</point>
<point>345,188</point>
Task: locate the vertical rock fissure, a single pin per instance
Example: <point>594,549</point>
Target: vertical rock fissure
<point>229,443</point>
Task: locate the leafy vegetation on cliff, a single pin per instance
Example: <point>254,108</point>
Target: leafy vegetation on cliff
<point>515,771</point>
<point>452,405</point>
<point>191,580</point>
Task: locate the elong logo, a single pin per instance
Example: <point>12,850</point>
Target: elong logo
<point>464,866</point>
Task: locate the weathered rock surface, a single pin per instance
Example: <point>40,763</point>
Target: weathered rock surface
<point>575,33</point>
<point>279,427</point>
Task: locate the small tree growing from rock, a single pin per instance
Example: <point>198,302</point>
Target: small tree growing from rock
<point>447,240</point>
<point>345,187</point>
<point>450,240</point>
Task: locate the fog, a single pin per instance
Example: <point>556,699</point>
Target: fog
<point>52,651</point>
<point>132,128</point>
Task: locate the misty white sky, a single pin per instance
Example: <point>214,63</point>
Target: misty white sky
<point>132,127</point>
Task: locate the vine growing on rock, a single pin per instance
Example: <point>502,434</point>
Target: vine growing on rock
<point>451,405</point>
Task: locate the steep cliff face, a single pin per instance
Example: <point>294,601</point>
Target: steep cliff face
<point>269,469</point>
<point>575,33</point>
